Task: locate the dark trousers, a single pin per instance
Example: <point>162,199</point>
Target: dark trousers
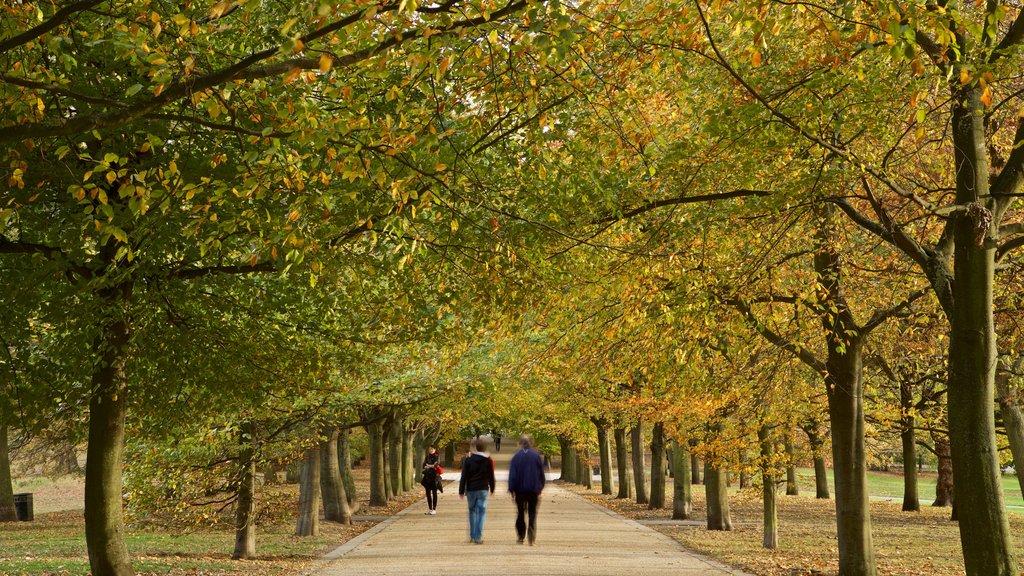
<point>431,497</point>
<point>526,502</point>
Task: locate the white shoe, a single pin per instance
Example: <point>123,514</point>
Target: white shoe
<point>432,512</point>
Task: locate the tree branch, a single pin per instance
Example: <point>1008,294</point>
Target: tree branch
<point>58,18</point>
<point>190,273</point>
<point>881,316</point>
<point>801,353</point>
<point>655,204</point>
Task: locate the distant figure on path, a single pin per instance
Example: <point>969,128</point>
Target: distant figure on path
<point>477,480</point>
<point>526,482</point>
<point>431,478</point>
<point>497,441</point>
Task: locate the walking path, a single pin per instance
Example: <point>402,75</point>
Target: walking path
<point>574,537</point>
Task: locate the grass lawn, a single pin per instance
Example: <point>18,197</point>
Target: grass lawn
<point>922,543</point>
<point>54,544</point>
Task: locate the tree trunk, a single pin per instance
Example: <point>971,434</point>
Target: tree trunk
<point>657,467</point>
<point>639,473</point>
<point>744,473</point>
<point>984,529</point>
<point>567,472</point>
<point>407,459</point>
<point>604,448</point>
<point>245,490</point>
<point>771,517</point>
<point>681,499</point>
<point>586,472</point>
<point>395,458</point>
<point>695,467</point>
<point>378,489</point>
<point>332,487</point>
<point>792,487</point>
<point>345,464</point>
<point>104,525</point>
<point>944,482</point>
<point>449,455</point>
<point>309,495</point>
<point>1013,421</point>
<point>717,496</point>
<point>622,462</point>
<point>820,471</point>
<point>7,510</point>
<point>419,444</point>
<point>911,502</point>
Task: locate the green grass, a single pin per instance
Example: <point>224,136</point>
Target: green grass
<point>890,485</point>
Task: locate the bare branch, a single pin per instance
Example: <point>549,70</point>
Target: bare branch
<point>655,204</point>
<point>881,316</point>
<point>58,18</point>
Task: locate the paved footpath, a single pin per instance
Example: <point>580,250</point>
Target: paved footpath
<point>574,537</point>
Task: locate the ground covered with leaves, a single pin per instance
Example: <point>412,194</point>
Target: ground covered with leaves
<point>54,544</point>
<point>922,543</point>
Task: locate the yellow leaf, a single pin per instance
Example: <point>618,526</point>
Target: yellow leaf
<point>756,58</point>
<point>986,97</point>
<point>325,63</point>
<point>294,216</point>
<point>965,76</point>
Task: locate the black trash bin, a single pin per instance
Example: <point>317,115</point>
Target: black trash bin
<point>23,507</point>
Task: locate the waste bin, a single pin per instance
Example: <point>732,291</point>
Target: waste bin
<point>23,507</point>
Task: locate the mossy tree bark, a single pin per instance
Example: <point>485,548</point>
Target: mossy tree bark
<point>770,515</point>
<point>622,462</point>
<point>245,494</point>
<point>104,524</point>
<point>639,473</point>
<point>308,523</point>
<point>682,506</point>
<point>378,490</point>
<point>657,467</point>
<point>604,448</point>
<point>408,470</point>
<point>7,511</point>
<point>792,486</point>
<point>345,464</point>
<point>911,501</point>
<point>717,497</point>
<point>695,468</point>
<point>332,487</point>
<point>814,438</point>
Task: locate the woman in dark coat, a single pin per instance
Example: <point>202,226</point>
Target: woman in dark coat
<point>431,478</point>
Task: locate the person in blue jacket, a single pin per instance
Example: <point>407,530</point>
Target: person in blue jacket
<point>526,482</point>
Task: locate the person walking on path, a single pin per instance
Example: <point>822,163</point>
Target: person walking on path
<point>477,480</point>
<point>526,482</point>
<point>431,479</point>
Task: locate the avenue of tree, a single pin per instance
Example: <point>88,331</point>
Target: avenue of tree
<point>239,237</point>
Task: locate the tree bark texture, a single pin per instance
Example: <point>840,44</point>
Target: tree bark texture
<point>944,482</point>
<point>395,458</point>
<point>104,525</point>
<point>345,464</point>
<point>566,458</point>
<point>308,523</point>
<point>622,462</point>
<point>378,490</point>
<point>770,516</point>
<point>639,473</point>
<point>407,459</point>
<point>984,528</point>
<point>1013,421</point>
<point>332,487</point>
<point>792,486</point>
<point>717,496</point>
<point>7,511</point>
<point>420,452</point>
<point>245,495</point>
<point>604,448</point>
<point>695,467</point>
<point>682,505</point>
<point>657,467</point>
<point>911,501</point>
<point>821,489</point>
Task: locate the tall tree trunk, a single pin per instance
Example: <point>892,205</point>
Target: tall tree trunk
<point>7,511</point>
<point>604,448</point>
<point>345,464</point>
<point>717,496</point>
<point>984,529</point>
<point>407,458</point>
<point>792,487</point>
<point>395,457</point>
<point>419,443</point>
<point>744,473</point>
<point>820,471</point>
<point>657,467</point>
<point>911,502</point>
<point>944,482</point>
<point>586,473</point>
<point>449,455</point>
<point>771,517</point>
<point>1013,421</point>
<point>639,473</point>
<point>245,490</point>
<point>308,523</point>
<point>332,487</point>
<point>681,499</point>
<point>104,525</point>
<point>566,458</point>
<point>378,489</point>
<point>622,462</point>
<point>695,467</point>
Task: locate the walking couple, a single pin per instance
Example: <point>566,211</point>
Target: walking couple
<point>525,483</point>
